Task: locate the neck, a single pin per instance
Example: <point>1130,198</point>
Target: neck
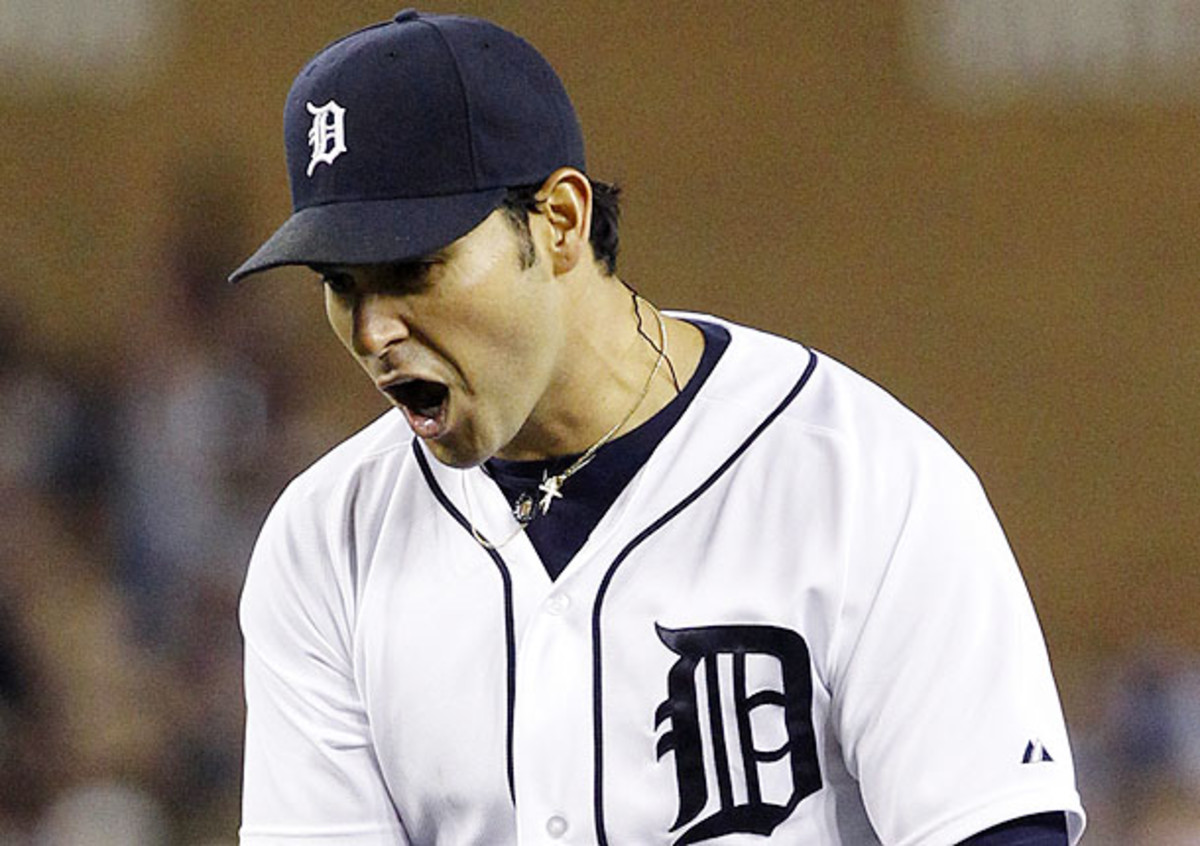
<point>607,376</point>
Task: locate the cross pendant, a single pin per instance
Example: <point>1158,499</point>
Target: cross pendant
<point>550,492</point>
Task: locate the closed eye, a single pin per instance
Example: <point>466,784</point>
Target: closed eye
<point>411,277</point>
<point>399,279</point>
<point>338,283</point>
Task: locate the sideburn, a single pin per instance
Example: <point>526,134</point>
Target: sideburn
<point>518,218</point>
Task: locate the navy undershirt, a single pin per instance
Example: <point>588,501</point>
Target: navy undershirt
<point>587,495</point>
<point>1037,830</point>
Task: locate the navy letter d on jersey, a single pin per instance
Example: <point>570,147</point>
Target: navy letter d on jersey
<point>755,792</point>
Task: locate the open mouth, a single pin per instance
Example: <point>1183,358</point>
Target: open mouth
<point>423,402</point>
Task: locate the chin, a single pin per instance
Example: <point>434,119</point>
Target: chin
<point>457,456</point>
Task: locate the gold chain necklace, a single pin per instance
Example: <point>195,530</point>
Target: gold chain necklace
<point>551,486</point>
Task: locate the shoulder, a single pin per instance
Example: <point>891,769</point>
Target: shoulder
<point>819,397</point>
<point>311,544</point>
<point>838,437</point>
<point>371,454</point>
<point>350,478</point>
<point>870,418</point>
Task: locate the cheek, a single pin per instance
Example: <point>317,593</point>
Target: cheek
<point>490,361</point>
<point>502,361</point>
<point>520,346</point>
<point>495,333</point>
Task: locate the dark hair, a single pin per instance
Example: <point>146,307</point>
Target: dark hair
<point>606,213</point>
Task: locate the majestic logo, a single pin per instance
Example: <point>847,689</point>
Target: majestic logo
<point>327,135</point>
<point>1036,753</point>
<point>733,689</point>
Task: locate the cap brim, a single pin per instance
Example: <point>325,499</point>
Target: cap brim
<point>372,231</point>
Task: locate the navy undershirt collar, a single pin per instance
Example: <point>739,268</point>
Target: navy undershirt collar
<point>588,494</point>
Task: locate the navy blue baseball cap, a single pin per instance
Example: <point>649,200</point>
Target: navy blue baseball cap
<point>405,135</point>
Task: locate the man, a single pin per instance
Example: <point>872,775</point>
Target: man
<point>603,575</point>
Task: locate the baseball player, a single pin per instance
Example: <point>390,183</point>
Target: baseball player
<point>603,574</point>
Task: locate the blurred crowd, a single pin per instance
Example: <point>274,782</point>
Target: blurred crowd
<point>132,486</point>
<point>132,489</point>
<point>1137,748</point>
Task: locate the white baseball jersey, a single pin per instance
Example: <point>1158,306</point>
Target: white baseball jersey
<point>799,623</point>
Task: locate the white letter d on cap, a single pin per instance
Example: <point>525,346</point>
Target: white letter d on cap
<point>327,135</point>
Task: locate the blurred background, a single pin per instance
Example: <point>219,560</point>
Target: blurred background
<point>991,207</point>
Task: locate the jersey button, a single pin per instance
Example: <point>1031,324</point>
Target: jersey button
<point>556,826</point>
<point>558,604</point>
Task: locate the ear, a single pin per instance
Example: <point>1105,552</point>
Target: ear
<point>566,207</point>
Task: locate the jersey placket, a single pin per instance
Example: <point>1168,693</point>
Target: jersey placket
<point>553,734</point>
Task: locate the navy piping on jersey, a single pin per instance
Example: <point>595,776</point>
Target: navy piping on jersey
<point>510,635</point>
<point>597,703</point>
<point>1048,829</point>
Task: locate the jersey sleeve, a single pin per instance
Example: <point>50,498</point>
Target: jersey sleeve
<point>310,771</point>
<point>946,708</point>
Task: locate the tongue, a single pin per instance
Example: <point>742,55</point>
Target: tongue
<point>424,425</point>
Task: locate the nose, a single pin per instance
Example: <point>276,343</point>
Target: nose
<point>379,322</point>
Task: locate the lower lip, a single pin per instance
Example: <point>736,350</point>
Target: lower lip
<point>428,428</point>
